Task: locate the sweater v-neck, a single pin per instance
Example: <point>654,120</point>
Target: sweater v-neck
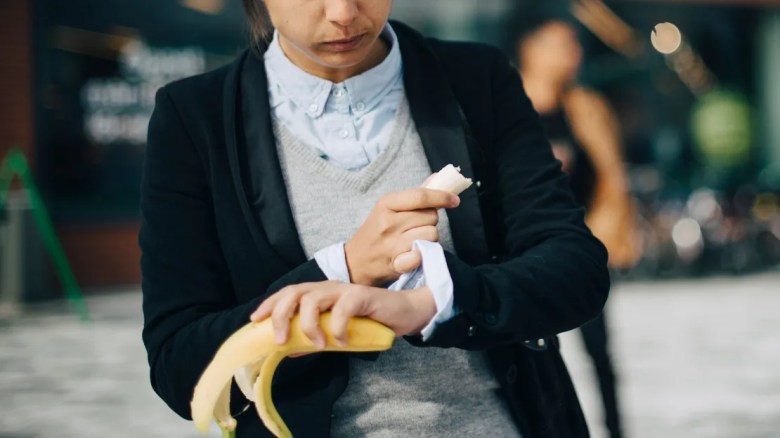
<point>362,179</point>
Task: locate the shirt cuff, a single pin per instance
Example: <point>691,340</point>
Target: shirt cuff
<point>332,260</point>
<point>432,273</point>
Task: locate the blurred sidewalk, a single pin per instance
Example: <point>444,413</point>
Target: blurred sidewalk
<point>696,358</point>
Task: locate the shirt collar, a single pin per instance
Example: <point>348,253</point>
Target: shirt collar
<point>311,93</point>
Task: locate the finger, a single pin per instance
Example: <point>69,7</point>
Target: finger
<point>416,218</point>
<point>266,307</point>
<point>263,311</point>
<point>283,311</point>
<point>420,198</point>
<point>429,233</point>
<point>347,306</point>
<point>311,305</point>
<point>407,261</point>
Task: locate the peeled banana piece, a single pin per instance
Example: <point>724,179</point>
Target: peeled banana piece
<point>450,180</point>
<point>252,355</point>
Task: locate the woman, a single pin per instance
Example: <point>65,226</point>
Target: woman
<point>585,138</point>
<point>286,182</point>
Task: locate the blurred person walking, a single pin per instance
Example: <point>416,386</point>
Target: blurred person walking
<point>288,181</point>
<point>583,132</point>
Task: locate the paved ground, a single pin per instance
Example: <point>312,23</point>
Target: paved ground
<point>697,359</point>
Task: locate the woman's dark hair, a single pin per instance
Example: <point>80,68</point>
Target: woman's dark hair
<point>530,20</point>
<point>260,26</point>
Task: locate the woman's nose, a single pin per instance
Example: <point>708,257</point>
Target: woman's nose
<point>342,12</point>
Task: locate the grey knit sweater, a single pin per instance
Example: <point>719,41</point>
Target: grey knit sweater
<point>408,391</point>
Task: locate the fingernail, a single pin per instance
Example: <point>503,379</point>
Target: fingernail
<point>319,343</point>
<point>279,337</point>
<point>455,201</point>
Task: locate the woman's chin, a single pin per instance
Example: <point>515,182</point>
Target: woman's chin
<point>339,68</point>
<point>341,60</point>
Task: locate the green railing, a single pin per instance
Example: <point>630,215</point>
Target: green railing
<point>15,165</point>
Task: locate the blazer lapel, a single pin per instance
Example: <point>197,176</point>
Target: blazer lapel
<point>443,131</point>
<point>257,175</point>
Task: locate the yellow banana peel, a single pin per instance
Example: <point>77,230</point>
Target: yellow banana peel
<point>251,356</point>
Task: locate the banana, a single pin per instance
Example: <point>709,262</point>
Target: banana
<point>450,180</point>
<point>252,355</point>
<point>267,411</point>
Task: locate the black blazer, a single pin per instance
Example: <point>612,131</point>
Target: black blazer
<point>218,235</point>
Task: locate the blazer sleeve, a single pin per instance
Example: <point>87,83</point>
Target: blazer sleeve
<point>552,276</point>
<point>188,301</point>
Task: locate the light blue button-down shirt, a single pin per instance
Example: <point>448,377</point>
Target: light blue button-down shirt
<point>349,124</point>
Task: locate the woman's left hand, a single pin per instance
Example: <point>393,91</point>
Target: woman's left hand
<point>405,312</point>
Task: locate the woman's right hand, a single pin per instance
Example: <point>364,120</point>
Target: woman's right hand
<point>397,220</point>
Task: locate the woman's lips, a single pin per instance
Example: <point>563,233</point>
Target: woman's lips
<point>345,44</point>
